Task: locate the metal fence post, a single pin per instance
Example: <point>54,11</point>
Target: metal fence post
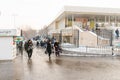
<point>60,36</point>
<point>112,50</point>
<point>111,43</point>
<point>86,49</point>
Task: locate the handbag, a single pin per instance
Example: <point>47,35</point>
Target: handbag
<point>46,52</point>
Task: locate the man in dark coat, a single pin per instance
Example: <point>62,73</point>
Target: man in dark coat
<point>49,48</point>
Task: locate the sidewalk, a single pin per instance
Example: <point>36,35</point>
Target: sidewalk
<point>40,67</point>
<point>22,68</point>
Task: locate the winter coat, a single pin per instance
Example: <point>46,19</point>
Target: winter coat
<point>49,48</point>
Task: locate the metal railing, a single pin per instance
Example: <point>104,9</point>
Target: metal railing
<point>106,34</point>
<point>116,50</point>
<point>92,50</point>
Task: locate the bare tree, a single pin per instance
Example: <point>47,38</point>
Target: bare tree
<point>43,31</point>
<point>28,32</point>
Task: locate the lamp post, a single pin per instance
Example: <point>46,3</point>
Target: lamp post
<point>14,20</point>
<point>0,13</point>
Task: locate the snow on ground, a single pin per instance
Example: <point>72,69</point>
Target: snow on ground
<point>67,45</point>
<point>86,49</point>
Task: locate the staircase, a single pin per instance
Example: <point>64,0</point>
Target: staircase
<point>100,37</point>
<point>105,34</point>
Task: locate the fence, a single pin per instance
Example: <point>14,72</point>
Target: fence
<point>105,34</point>
<point>93,50</point>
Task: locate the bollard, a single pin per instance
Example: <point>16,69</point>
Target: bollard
<point>86,49</point>
<point>112,51</point>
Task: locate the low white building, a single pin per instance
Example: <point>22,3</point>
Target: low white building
<point>62,27</point>
<point>7,43</point>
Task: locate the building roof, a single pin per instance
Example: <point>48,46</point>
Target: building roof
<point>98,10</point>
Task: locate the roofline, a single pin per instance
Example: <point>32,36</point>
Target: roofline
<point>92,9</point>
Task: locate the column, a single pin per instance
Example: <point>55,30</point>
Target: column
<point>105,22</point>
<point>115,21</point>
<point>72,19</point>
<point>72,28</point>
<point>105,19</point>
<point>67,21</point>
<point>109,20</point>
<point>95,23</point>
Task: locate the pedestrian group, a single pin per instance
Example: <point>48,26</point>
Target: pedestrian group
<point>51,46</point>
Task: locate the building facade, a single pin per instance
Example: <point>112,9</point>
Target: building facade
<point>74,20</point>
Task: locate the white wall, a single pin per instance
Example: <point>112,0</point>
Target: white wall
<point>51,28</point>
<point>61,24</point>
<point>6,47</point>
<point>87,38</point>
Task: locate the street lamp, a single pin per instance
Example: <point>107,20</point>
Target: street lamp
<point>14,20</point>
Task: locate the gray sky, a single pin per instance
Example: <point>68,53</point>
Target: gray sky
<point>37,13</point>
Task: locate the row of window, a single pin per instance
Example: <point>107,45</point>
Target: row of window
<point>97,19</point>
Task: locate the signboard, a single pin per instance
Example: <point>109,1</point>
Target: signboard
<point>8,32</point>
<point>67,32</point>
<point>18,38</point>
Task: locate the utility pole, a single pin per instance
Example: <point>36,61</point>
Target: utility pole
<point>14,20</point>
<point>0,13</point>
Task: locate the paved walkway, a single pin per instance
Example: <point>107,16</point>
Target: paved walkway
<point>40,67</point>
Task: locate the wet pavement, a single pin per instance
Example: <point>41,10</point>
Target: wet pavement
<point>40,67</point>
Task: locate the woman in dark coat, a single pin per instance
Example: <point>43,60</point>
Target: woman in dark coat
<point>49,48</point>
<point>56,46</point>
<point>26,46</point>
<point>29,48</point>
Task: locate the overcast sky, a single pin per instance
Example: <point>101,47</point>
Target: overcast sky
<point>37,13</point>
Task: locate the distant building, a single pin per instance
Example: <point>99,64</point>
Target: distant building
<point>72,20</point>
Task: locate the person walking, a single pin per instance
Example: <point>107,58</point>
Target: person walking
<point>37,44</point>
<point>29,48</point>
<point>56,47</point>
<point>117,33</point>
<point>49,48</point>
<point>20,45</point>
<point>25,46</point>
